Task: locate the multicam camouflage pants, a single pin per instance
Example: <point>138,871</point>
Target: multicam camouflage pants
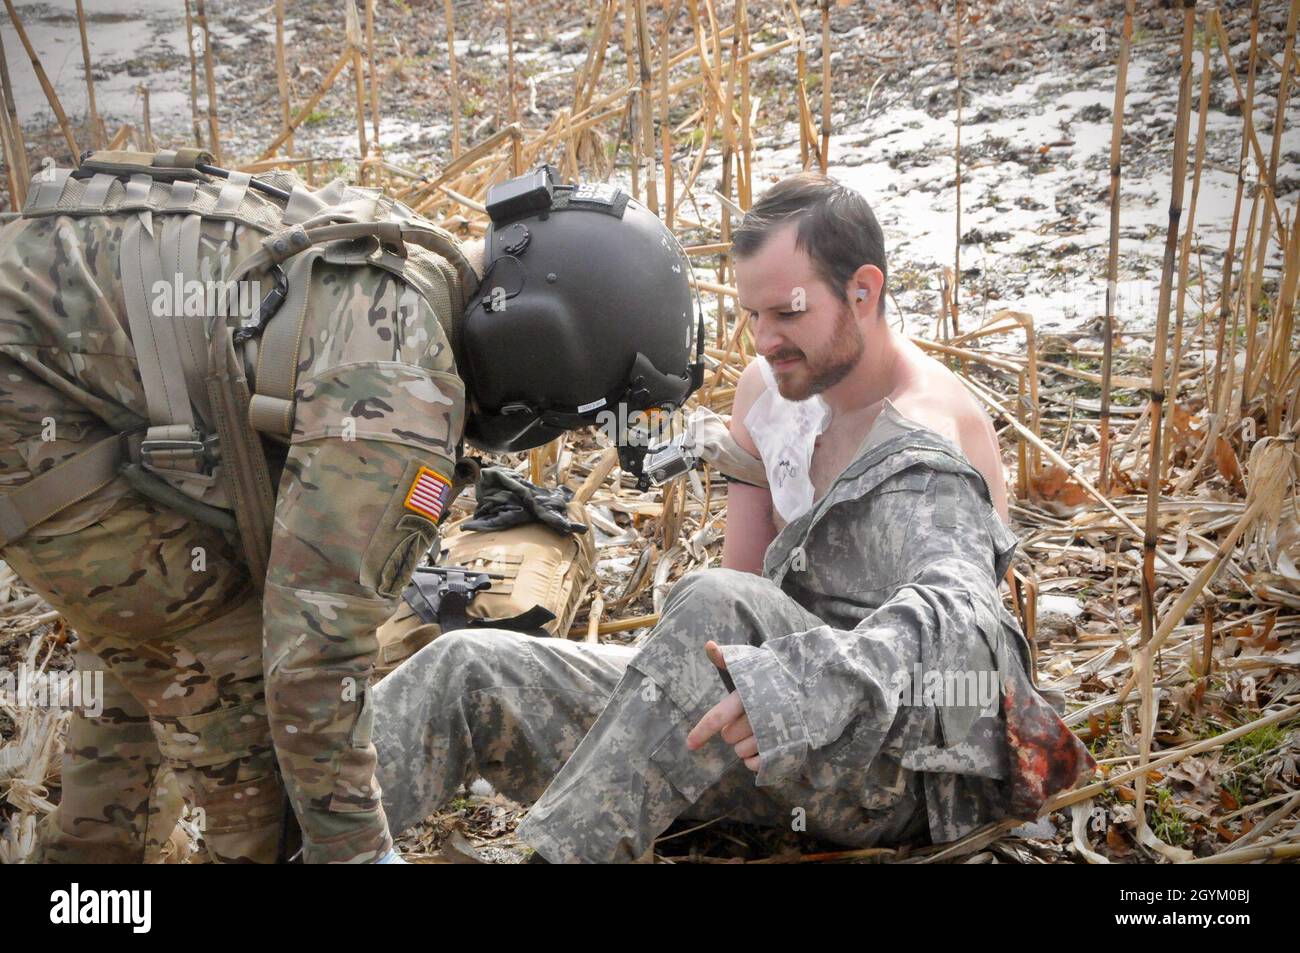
<point>183,690</point>
<point>596,735</point>
<point>121,803</point>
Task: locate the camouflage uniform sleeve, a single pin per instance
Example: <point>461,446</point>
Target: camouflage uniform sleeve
<point>801,691</point>
<point>380,409</point>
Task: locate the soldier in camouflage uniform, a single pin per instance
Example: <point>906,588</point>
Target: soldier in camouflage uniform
<point>893,574</point>
<point>253,686</point>
<point>164,604</point>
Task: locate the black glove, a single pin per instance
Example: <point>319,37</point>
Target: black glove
<point>506,500</point>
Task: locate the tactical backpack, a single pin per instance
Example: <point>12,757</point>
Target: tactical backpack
<point>202,451</point>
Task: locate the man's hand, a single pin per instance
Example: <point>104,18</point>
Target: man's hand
<point>727,716</point>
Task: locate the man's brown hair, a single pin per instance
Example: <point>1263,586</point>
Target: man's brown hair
<point>836,229</point>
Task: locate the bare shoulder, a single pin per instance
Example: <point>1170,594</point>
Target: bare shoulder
<point>938,400</point>
<point>748,389</point>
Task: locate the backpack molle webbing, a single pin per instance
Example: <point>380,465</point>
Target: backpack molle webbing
<point>202,438</point>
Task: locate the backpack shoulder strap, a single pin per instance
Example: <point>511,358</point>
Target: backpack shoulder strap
<point>173,442</point>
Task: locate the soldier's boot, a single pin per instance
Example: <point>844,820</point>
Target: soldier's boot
<point>487,703</point>
<point>117,806</point>
<point>632,774</point>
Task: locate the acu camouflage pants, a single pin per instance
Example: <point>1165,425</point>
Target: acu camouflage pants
<point>596,735</point>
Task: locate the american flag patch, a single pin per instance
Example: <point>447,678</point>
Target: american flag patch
<point>428,494</point>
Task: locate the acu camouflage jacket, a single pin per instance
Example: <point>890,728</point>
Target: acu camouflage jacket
<point>902,559</point>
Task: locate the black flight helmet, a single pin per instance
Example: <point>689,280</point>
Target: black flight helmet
<point>585,304</point>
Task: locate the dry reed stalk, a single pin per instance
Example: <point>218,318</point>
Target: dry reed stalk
<point>630,92</point>
<point>1251,138</point>
<point>282,76</point>
<point>715,41</point>
<point>516,157</point>
<point>593,616</point>
<point>1112,258</point>
<point>647,108</point>
<point>372,80</point>
<point>283,162</point>
<point>745,184</point>
<point>352,38</point>
<point>463,200</point>
<point>728,157</point>
<point>307,108</point>
<point>510,61</point>
<point>622,94</point>
<point>707,73</point>
<point>965,354</point>
<point>1207,643</point>
<point>665,127</point>
<point>1250,855</point>
<point>570,164</point>
<point>1009,318</point>
<point>698,165</point>
<point>22,173</point>
<point>195,119</point>
<point>209,69</point>
<point>1181,125</point>
<point>826,83</point>
<point>606,462</point>
<point>1246,104</point>
<point>1281,327</point>
<point>1249,280</point>
<point>1279,120</point>
<point>584,81</point>
<point>670,521</point>
<point>17,187</point>
<point>1224,387</point>
<point>17,196</point>
<point>708,395</point>
<point>956,152</point>
<point>51,97</point>
<point>453,87</point>
<point>1185,251</point>
<point>1148,576</point>
<point>618,625</point>
<point>92,113</point>
<point>148,124</point>
<point>120,137</point>
<point>1022,446</point>
<point>795,26</point>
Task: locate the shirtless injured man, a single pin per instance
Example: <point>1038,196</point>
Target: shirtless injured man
<point>850,670</point>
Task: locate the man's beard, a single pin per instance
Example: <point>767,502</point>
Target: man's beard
<point>846,347</point>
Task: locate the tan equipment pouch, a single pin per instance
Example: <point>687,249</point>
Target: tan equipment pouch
<point>529,566</point>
